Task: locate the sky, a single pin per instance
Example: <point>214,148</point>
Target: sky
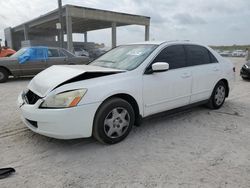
<point>211,22</point>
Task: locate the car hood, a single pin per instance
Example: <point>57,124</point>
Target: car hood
<point>58,75</point>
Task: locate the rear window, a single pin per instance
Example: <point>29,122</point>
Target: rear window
<point>53,53</point>
<point>197,55</point>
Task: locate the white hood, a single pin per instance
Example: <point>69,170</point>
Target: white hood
<point>50,78</point>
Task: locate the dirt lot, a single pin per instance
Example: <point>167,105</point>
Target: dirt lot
<point>195,148</point>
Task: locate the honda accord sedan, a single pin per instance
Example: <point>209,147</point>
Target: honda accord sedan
<point>107,97</point>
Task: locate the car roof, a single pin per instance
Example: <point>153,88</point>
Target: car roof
<point>42,47</point>
<point>167,42</point>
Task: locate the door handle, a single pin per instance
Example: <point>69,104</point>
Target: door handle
<point>186,75</point>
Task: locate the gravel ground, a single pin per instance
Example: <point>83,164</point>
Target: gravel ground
<point>194,148</point>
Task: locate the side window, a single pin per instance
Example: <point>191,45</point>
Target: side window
<point>173,55</point>
<point>61,53</point>
<point>53,53</point>
<point>197,55</point>
<point>212,58</point>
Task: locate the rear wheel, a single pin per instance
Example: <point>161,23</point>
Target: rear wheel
<point>113,121</point>
<point>4,75</point>
<point>218,96</point>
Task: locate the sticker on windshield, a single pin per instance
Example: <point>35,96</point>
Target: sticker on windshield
<point>136,52</point>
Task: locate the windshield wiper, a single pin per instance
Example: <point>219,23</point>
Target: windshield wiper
<point>106,61</point>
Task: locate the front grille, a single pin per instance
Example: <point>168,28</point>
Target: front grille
<point>31,98</point>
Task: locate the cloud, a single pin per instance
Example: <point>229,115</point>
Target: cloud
<point>215,22</point>
<point>187,19</point>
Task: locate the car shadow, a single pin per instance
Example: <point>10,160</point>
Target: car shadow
<point>16,79</point>
<point>147,125</point>
<point>160,122</point>
<point>20,78</point>
<point>246,79</point>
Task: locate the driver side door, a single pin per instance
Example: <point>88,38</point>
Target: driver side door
<point>169,89</point>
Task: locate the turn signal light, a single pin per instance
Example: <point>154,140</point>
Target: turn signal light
<point>75,102</point>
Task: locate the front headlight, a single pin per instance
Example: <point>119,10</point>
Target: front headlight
<point>65,99</point>
<point>246,66</point>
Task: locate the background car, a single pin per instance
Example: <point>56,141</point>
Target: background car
<point>226,53</point>
<point>6,52</point>
<point>81,52</point>
<point>95,53</point>
<point>239,53</point>
<point>32,60</point>
<point>245,71</point>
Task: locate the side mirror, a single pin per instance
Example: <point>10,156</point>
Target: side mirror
<point>160,67</point>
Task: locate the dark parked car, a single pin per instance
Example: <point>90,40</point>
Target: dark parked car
<point>245,71</point>
<point>32,60</point>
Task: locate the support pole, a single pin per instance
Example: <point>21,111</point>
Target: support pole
<point>69,31</point>
<point>113,35</point>
<point>146,32</point>
<point>85,36</point>
<point>61,31</point>
<point>26,32</point>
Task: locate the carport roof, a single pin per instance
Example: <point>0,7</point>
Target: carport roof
<point>83,20</point>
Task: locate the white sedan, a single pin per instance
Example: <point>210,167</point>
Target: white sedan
<point>106,98</point>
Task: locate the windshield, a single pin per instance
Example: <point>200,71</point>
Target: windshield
<point>125,57</point>
<point>19,52</point>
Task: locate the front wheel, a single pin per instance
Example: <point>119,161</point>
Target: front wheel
<point>113,121</point>
<point>218,96</point>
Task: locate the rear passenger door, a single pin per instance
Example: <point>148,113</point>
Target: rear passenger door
<point>55,57</point>
<point>170,89</point>
<point>205,71</point>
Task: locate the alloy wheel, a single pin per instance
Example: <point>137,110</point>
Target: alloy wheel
<point>116,122</point>
<point>220,95</point>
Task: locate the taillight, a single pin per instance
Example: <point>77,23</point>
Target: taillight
<point>234,69</point>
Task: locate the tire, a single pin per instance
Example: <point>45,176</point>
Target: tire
<point>4,75</point>
<point>113,121</point>
<point>245,78</point>
<point>218,96</point>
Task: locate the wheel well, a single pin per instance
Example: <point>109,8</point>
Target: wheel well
<point>227,86</point>
<point>133,103</point>
<point>1,67</point>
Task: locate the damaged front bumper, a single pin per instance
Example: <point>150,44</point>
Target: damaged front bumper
<point>67,123</point>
